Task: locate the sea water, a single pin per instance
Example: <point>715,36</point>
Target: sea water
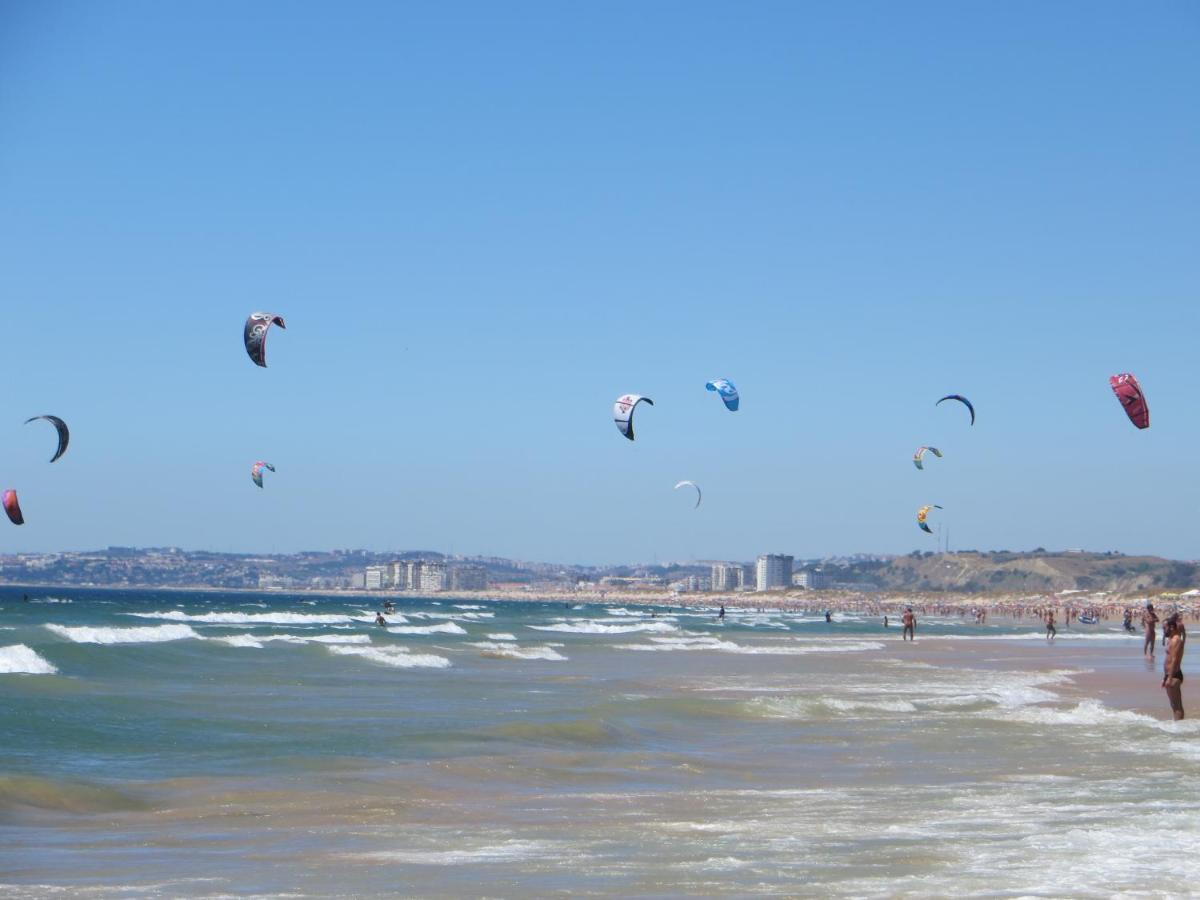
<point>203,744</point>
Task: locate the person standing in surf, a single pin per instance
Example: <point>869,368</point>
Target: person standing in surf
<point>910,625</point>
<point>1051,631</point>
<point>1172,681</point>
<point>1149,622</point>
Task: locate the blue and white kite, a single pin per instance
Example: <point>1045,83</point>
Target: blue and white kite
<point>728,392</point>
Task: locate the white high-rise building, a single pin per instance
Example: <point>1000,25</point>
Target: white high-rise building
<point>433,577</point>
<point>398,576</point>
<point>376,578</point>
<point>773,570</point>
<point>811,579</point>
<point>412,575</point>
<point>725,576</point>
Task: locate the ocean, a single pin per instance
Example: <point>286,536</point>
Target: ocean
<point>165,744</point>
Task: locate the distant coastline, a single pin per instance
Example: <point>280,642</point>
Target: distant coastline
<point>1109,604</point>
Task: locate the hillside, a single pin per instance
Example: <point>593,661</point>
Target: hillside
<point>970,571</point>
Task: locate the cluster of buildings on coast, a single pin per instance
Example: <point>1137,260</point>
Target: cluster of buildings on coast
<point>770,572</point>
<point>421,575</point>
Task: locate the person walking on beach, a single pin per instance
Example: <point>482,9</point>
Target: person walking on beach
<point>910,625</point>
<point>1051,631</point>
<point>1149,621</point>
<point>1173,664</point>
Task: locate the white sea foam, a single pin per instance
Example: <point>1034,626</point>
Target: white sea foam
<point>871,705</point>
<point>1093,713</point>
<point>391,656</point>
<point>502,636</point>
<point>777,649</point>
<point>506,852</point>
<point>319,638</point>
<point>52,600</point>
<point>151,634</point>
<point>1041,636</point>
<point>237,618</point>
<point>441,628</point>
<point>514,652</point>
<point>240,640</point>
<point>467,606</point>
<point>17,659</point>
<point>592,627</point>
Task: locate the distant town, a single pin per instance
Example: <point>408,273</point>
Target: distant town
<point>417,571</point>
<point>424,571</point>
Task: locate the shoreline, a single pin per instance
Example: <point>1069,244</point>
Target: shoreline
<point>1109,607</point>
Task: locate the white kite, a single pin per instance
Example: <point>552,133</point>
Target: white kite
<point>696,486</point>
<point>623,412</point>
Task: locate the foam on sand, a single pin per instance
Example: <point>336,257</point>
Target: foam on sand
<point>442,628</point>
<point>17,659</point>
<point>593,627</point>
<point>391,656</point>
<point>1093,713</point>
<point>152,634</point>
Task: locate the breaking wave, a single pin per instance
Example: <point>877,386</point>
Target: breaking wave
<point>151,634</point>
<point>17,659</point>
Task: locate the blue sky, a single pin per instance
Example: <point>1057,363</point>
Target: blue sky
<point>485,221</point>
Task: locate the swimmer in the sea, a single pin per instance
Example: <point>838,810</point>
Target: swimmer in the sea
<point>1149,621</point>
<point>1173,664</point>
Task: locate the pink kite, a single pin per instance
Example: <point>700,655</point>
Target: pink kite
<point>13,508</point>
<point>1129,392</point>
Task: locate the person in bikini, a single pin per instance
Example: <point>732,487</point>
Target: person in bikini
<point>1173,664</point>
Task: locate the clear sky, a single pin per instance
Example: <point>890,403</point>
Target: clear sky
<point>484,221</point>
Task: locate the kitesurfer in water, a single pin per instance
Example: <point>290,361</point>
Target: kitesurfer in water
<point>910,625</point>
<point>1149,621</point>
<point>1173,664</point>
<point>828,616</point>
<point>380,620</point>
<point>885,624</point>
<point>721,614</point>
